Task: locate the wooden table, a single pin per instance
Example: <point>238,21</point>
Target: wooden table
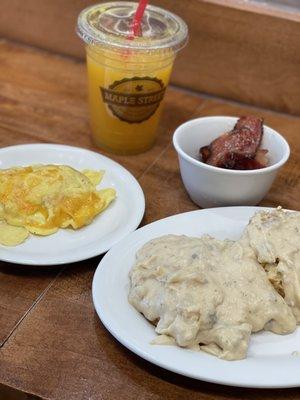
<point>53,344</point>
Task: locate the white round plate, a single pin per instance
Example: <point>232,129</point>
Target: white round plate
<point>272,360</point>
<point>67,245</point>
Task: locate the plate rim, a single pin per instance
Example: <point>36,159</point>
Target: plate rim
<point>142,353</point>
<point>139,213</point>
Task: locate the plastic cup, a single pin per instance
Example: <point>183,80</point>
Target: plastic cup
<point>127,77</point>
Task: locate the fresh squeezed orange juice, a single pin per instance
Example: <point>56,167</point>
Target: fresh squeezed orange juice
<point>125,100</point>
<point>127,78</point>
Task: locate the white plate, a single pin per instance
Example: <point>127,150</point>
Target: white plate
<point>120,218</point>
<point>270,362</point>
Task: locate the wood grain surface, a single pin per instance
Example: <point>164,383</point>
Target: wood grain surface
<point>237,50</point>
<point>53,345</point>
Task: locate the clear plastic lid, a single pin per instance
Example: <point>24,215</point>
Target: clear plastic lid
<point>109,24</point>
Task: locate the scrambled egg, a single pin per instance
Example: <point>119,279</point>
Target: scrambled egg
<point>40,199</point>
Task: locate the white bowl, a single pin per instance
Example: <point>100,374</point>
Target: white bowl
<point>210,186</point>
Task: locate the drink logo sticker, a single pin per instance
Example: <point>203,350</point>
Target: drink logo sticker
<point>135,99</point>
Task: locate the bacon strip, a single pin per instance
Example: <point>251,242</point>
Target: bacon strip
<point>238,149</point>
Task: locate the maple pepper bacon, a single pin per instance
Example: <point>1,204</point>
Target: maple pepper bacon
<point>239,148</point>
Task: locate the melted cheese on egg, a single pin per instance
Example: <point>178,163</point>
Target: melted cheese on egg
<point>43,198</point>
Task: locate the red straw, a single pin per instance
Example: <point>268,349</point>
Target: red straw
<point>137,19</point>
